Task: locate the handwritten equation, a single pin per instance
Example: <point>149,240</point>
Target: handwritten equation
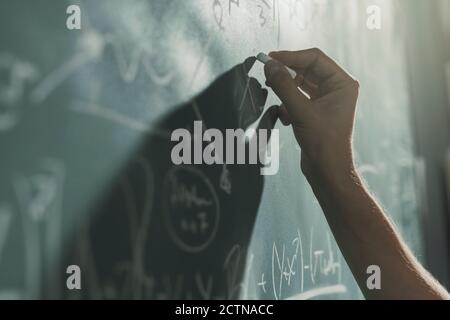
<point>298,270</point>
<point>39,218</point>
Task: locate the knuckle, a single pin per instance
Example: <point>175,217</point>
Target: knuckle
<point>317,51</point>
<point>354,85</point>
<point>279,78</point>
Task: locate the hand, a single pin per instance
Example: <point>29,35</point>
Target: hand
<point>322,116</point>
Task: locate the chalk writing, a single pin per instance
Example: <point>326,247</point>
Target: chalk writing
<point>319,263</point>
<point>91,48</point>
<point>40,201</point>
<point>191,208</point>
<point>290,270</point>
<point>225,180</point>
<point>19,73</point>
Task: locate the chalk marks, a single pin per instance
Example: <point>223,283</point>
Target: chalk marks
<point>225,180</point>
<point>107,113</point>
<point>140,60</point>
<point>204,287</point>
<point>301,13</point>
<point>218,13</point>
<point>282,266</point>
<point>18,74</point>
<point>191,208</point>
<point>289,262</point>
<point>137,201</point>
<point>39,191</point>
<point>46,86</point>
<point>39,194</point>
<point>285,270</point>
<point>91,48</point>
<point>262,10</point>
<point>269,14</point>
<point>262,283</point>
<point>317,292</point>
<point>231,266</point>
<point>289,270</point>
<point>139,217</point>
<point>201,60</point>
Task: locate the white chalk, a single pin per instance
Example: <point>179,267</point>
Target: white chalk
<point>264,58</point>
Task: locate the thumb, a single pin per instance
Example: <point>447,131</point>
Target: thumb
<point>279,79</point>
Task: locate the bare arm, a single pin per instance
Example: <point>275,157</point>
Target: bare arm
<point>322,121</point>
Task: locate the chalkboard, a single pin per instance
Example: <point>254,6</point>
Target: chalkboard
<point>86,177</point>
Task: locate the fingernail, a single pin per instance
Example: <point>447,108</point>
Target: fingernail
<point>272,68</point>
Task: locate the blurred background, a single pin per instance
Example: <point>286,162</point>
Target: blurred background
<point>430,104</point>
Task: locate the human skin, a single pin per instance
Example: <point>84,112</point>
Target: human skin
<point>322,116</point>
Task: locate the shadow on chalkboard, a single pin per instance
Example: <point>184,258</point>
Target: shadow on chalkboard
<point>179,232</point>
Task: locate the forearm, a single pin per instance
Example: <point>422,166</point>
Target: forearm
<point>322,122</point>
<point>367,237</point>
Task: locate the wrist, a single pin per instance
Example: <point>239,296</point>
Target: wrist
<point>329,171</point>
<point>334,185</point>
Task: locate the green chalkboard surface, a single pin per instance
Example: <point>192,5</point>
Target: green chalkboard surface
<point>86,176</point>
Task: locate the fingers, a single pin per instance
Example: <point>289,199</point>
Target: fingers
<point>310,88</point>
<point>286,89</point>
<point>313,64</point>
<point>284,116</point>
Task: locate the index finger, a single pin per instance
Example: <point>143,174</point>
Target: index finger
<point>314,64</point>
